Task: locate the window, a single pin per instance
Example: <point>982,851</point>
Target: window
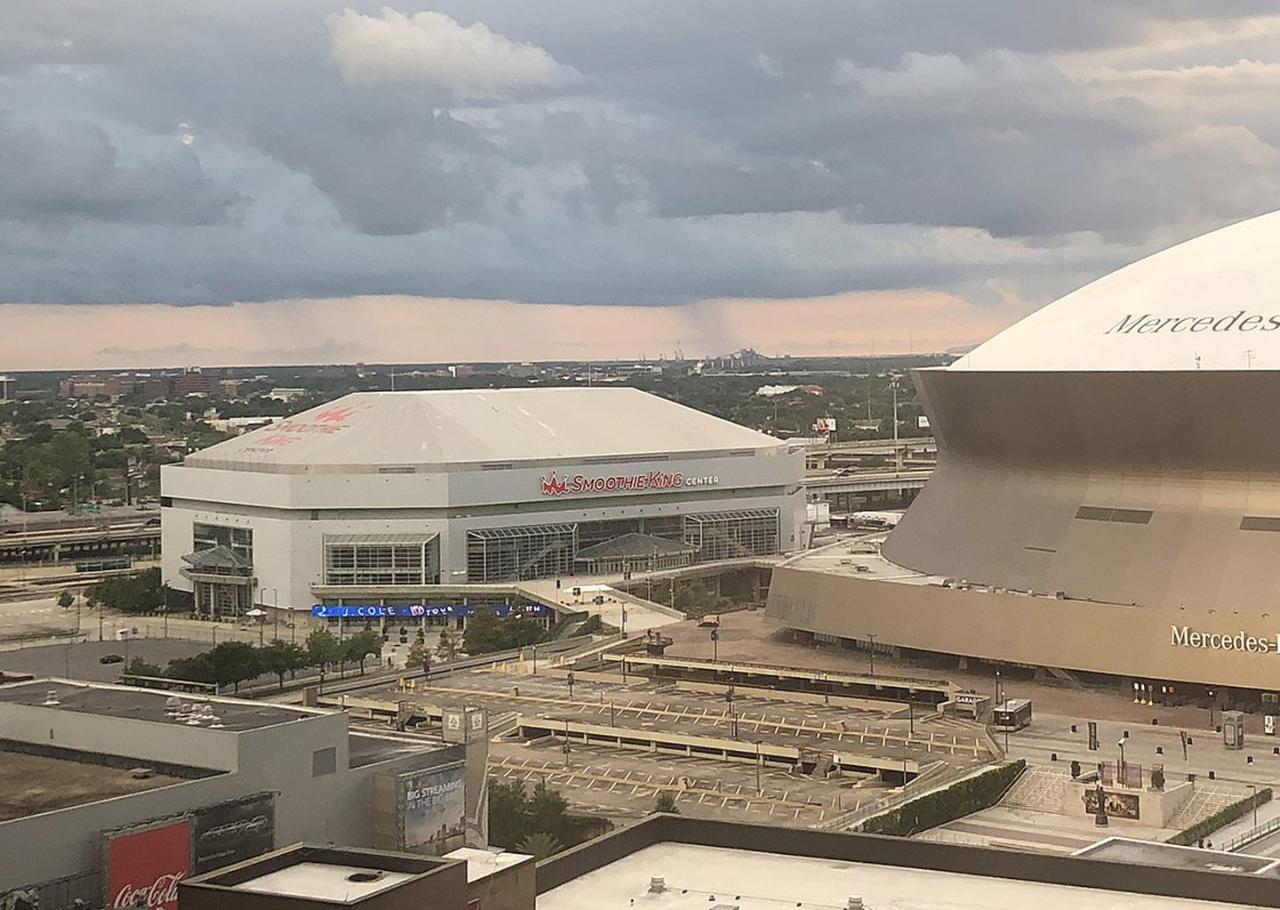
<point>1124,516</point>
<point>381,560</point>
<point>536,551</point>
<point>324,761</point>
<point>238,540</point>
<point>732,535</point>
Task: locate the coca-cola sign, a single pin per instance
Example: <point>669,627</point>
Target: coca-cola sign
<point>144,867</point>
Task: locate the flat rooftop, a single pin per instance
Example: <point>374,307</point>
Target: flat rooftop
<point>705,878</point>
<point>152,705</point>
<point>1171,856</point>
<point>369,749</point>
<point>31,784</point>
<point>328,882</point>
<point>859,558</point>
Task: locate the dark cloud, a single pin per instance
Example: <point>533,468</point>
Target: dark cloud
<point>609,152</point>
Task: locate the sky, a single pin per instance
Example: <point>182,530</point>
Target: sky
<point>308,181</point>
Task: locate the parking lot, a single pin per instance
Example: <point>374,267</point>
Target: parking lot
<point>654,720</point>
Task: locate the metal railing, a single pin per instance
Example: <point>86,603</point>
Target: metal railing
<point>1253,834</point>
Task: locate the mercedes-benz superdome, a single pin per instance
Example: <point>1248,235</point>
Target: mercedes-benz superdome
<point>1107,494</point>
<point>384,497</point>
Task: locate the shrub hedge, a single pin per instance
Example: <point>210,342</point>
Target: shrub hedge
<point>1220,818</point>
<point>941,806</point>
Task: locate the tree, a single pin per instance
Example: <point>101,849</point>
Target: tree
<point>281,657</point>
<point>666,803</point>
<point>361,646</point>
<point>139,593</point>
<point>539,845</point>
<point>139,667</point>
<point>418,656</point>
<point>323,648</point>
<point>197,668</point>
<point>235,662</point>
<point>65,600</point>
<point>483,633</point>
<point>447,646</point>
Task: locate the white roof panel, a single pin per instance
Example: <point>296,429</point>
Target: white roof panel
<point>1210,303</point>
<point>392,429</point>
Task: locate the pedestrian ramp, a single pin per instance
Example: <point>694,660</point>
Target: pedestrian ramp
<point>1205,800</point>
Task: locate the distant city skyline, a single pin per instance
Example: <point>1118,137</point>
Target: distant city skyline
<point>419,330</point>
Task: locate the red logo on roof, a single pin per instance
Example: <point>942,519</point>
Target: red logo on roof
<point>337,415</point>
<point>554,486</point>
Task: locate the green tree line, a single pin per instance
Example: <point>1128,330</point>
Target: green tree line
<point>234,662</point>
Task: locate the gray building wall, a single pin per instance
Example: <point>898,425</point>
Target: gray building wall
<point>333,808</point>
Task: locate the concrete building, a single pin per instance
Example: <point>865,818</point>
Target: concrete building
<point>307,877</point>
<point>681,863</point>
<point>1107,495</point>
<point>381,497</point>
<point>109,790</point>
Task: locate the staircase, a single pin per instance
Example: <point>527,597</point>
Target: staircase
<point>1039,789</point>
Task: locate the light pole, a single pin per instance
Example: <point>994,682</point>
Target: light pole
<point>1123,740</point>
<point>569,680</point>
<point>872,652</point>
<point>998,688</point>
<point>715,644</point>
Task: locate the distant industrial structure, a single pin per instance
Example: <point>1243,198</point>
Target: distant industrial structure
<point>1107,494</point>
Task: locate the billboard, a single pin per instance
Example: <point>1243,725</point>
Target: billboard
<point>824,425</point>
<point>416,611</point>
<point>232,831</point>
<point>433,806</point>
<point>144,866</point>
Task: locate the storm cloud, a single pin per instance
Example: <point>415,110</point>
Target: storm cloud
<point>611,153</point>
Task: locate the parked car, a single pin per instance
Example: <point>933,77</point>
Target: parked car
<point>110,659</point>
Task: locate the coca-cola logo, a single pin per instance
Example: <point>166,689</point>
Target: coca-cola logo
<point>164,890</point>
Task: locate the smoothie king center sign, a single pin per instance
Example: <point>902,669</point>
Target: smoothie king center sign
<point>555,484</point>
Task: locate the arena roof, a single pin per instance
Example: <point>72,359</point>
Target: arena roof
<point>1208,303</point>
<point>433,428</point>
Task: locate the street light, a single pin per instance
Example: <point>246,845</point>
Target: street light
<point>569,680</point>
<point>715,644</point>
<point>1123,740</point>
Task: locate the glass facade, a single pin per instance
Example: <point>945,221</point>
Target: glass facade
<point>544,551</point>
<point>535,551</point>
<point>732,535</point>
<point>238,540</point>
<point>379,560</point>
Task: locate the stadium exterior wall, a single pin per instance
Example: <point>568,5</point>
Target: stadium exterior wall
<point>1141,642</point>
<point>1189,460</point>
<point>290,514</point>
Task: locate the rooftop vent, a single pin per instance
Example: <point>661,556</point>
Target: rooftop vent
<point>855,903</point>
<point>363,877</point>
<point>657,884</point>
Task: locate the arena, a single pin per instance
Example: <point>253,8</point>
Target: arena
<point>391,498</point>
<point>1107,496</point>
